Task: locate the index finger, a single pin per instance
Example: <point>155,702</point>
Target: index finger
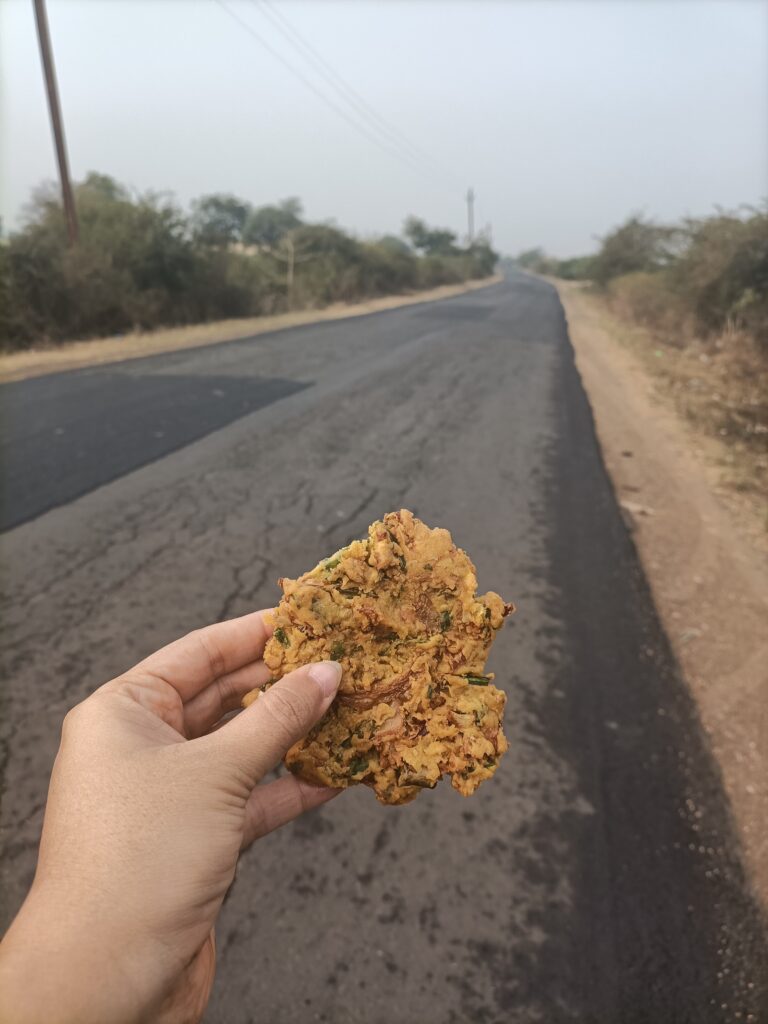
<point>200,657</point>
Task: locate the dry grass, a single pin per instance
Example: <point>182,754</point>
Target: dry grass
<point>76,354</point>
<point>722,389</point>
<point>719,386</point>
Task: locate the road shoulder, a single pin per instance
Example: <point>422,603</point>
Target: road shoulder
<point>707,575</point>
<point>75,355</point>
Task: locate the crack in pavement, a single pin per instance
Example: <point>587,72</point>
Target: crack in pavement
<point>503,908</point>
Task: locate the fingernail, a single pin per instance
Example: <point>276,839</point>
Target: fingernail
<point>327,675</point>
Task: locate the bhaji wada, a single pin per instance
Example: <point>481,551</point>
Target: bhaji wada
<point>400,613</point>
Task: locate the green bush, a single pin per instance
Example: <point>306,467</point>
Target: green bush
<point>388,267</point>
<point>636,245</point>
<point>141,262</point>
<point>578,268</point>
<point>703,277</point>
<point>723,273</point>
<point>537,261</point>
<point>133,267</point>
<point>711,280</point>
<point>267,225</point>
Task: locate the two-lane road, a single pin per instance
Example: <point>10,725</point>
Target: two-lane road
<point>597,877</point>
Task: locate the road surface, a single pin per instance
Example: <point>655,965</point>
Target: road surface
<point>597,877</point>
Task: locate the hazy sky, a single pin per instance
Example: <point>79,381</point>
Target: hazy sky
<point>564,115</point>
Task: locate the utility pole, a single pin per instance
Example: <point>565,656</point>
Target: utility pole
<point>291,265</point>
<point>46,56</point>
<point>471,215</point>
<point>290,257</point>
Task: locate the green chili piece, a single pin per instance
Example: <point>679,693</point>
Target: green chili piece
<point>281,637</point>
<point>337,650</point>
<point>478,680</point>
<point>445,620</point>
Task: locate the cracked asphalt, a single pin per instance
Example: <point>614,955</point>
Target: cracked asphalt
<point>597,877</point>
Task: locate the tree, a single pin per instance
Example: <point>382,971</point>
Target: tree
<point>334,264</point>
<point>577,268</point>
<point>432,241</point>
<point>723,271</point>
<point>292,207</point>
<point>219,219</point>
<point>393,244</point>
<point>635,245</point>
<point>535,260</point>
<point>142,262</point>
<point>484,258</point>
<point>268,224</point>
<point>105,186</point>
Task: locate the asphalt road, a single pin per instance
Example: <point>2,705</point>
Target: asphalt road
<point>597,877</point>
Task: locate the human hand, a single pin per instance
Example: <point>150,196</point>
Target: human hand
<point>148,809</point>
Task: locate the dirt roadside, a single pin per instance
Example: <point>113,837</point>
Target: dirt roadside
<point>706,567</point>
<point>98,351</point>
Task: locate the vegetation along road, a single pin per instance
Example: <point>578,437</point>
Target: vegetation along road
<point>597,876</point>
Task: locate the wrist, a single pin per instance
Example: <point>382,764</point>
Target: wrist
<point>60,964</point>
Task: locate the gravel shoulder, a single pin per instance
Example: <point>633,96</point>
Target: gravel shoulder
<point>704,561</point>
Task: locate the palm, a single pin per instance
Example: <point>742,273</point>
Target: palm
<point>149,809</point>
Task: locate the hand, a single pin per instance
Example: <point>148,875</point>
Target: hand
<point>148,809</point>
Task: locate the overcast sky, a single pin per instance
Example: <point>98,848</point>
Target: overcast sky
<point>564,115</point>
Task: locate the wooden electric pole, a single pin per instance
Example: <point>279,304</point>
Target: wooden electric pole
<point>290,257</point>
<point>46,56</point>
<point>470,215</point>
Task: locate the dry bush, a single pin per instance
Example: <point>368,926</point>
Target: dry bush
<point>719,383</point>
<point>647,298</point>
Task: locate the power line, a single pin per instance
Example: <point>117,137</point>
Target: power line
<point>325,71</point>
<point>363,129</point>
<point>341,87</point>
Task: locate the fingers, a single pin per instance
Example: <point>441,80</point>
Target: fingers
<point>222,696</point>
<point>259,737</point>
<point>279,802</point>
<point>193,662</point>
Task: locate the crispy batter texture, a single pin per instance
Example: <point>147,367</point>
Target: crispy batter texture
<point>399,611</point>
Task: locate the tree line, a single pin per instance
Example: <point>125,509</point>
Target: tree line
<point>699,277</point>
<point>143,262</point>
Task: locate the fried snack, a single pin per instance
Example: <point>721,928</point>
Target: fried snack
<point>400,613</point>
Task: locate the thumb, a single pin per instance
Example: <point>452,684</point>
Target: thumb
<point>260,736</point>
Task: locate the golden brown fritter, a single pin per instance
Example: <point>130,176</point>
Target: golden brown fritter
<point>399,611</point>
